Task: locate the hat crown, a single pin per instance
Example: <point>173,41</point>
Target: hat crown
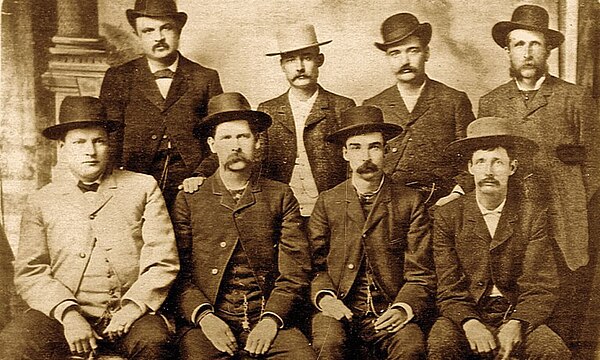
<point>362,115</point>
<point>81,108</point>
<point>225,102</point>
<point>398,25</point>
<point>490,126</point>
<point>155,7</point>
<point>295,37</point>
<point>531,15</point>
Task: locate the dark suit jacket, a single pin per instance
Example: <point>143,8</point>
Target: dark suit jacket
<point>440,116</point>
<point>519,259</point>
<point>266,220</point>
<point>560,113</point>
<point>131,95</point>
<point>395,237</point>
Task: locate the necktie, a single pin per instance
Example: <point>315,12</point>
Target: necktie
<point>87,187</point>
<point>164,74</point>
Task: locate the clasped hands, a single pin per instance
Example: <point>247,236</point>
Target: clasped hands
<point>482,341</point>
<point>392,320</point>
<point>220,335</point>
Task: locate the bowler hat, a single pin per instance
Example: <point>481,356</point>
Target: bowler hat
<point>487,132</point>
<point>527,17</point>
<point>231,106</point>
<point>296,37</point>
<point>400,26</point>
<point>362,120</point>
<point>155,8</point>
<point>80,112</point>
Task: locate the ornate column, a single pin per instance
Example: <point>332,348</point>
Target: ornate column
<point>78,57</point>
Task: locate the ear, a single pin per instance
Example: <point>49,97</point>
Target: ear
<point>320,60</point>
<point>470,167</point>
<point>211,143</point>
<point>514,164</point>
<point>345,153</point>
<point>258,141</point>
<point>426,53</point>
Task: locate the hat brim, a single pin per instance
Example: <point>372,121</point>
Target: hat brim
<point>180,17</point>
<point>56,132</point>
<point>423,31</point>
<point>463,149</point>
<point>299,48</point>
<point>501,30</point>
<point>388,130</point>
<point>260,120</point>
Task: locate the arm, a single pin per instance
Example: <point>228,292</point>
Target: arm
<point>419,287</point>
<point>159,261</point>
<point>589,125</point>
<point>319,239</point>
<point>114,95</point>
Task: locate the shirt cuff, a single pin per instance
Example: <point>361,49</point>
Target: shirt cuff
<point>457,190</point>
<point>277,318</point>
<point>320,295</point>
<point>409,311</point>
<point>59,311</point>
<point>199,311</point>
<point>143,307</point>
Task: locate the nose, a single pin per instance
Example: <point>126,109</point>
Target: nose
<point>160,36</point>
<point>300,66</point>
<point>90,149</point>
<point>527,53</point>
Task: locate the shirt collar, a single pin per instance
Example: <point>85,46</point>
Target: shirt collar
<point>538,84</point>
<point>485,211</point>
<point>372,193</point>
<point>294,101</point>
<point>172,67</point>
<point>420,89</point>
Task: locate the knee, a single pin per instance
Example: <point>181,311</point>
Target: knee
<point>408,343</point>
<point>150,339</point>
<point>444,341</point>
<point>543,343</point>
<point>328,334</point>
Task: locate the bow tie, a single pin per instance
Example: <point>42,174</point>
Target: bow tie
<point>87,187</point>
<point>164,74</point>
<point>491,212</point>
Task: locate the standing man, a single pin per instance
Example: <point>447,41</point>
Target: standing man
<point>497,279</point>
<point>371,252</point>
<point>97,254</point>
<point>431,113</point>
<point>160,97</point>
<point>295,152</point>
<point>245,261</point>
<point>562,119</point>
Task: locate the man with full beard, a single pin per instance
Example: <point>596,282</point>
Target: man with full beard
<point>371,252</point>
<point>245,261</point>
<point>431,113</point>
<point>562,119</point>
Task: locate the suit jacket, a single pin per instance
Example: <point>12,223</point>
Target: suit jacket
<point>60,227</point>
<point>326,162</point>
<point>266,220</point>
<point>560,113</point>
<point>131,95</point>
<point>440,116</point>
<point>395,236</point>
<point>519,260</point>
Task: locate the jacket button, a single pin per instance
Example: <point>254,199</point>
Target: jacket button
<point>364,236</point>
<point>165,136</point>
<point>394,150</point>
<point>350,266</point>
<point>480,283</point>
<point>82,255</point>
<point>154,137</point>
<point>223,244</point>
<point>214,271</point>
<point>342,294</point>
<point>92,217</point>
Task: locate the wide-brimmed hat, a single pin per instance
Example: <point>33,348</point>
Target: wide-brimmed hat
<point>231,106</point>
<point>362,120</point>
<point>296,37</point>
<point>155,8</point>
<point>487,132</point>
<point>527,17</point>
<point>400,26</point>
<point>80,112</point>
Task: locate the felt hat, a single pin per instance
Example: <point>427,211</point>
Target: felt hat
<point>80,112</point>
<point>400,26</point>
<point>527,17</point>
<point>487,132</point>
<point>296,37</point>
<point>155,8</point>
<point>362,120</point>
<point>231,106</point>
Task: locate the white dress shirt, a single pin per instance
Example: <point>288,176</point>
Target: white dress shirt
<point>164,84</point>
<point>492,217</point>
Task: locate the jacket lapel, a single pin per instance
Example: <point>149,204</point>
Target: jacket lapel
<point>353,207</point>
<point>380,207</point>
<point>423,102</point>
<point>506,224</point>
<point>319,109</point>
<point>397,109</point>
<point>179,85</point>
<point>248,198</point>
<point>541,98</point>
<point>227,200</point>
<point>474,222</point>
<point>284,114</point>
<point>144,80</point>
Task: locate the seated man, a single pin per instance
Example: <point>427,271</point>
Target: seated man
<point>371,251</point>
<point>245,261</point>
<point>97,254</point>
<point>497,277</point>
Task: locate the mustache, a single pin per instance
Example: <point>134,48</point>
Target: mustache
<point>300,76</point>
<point>237,157</point>
<point>160,44</point>
<point>488,180</point>
<point>406,67</point>
<point>367,167</point>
